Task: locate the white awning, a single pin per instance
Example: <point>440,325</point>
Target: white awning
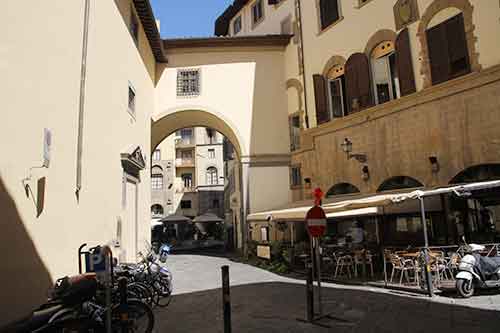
<point>367,205</point>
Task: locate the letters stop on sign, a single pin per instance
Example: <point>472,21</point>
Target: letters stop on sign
<point>316,221</point>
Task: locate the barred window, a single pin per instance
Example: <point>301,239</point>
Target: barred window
<point>157,182</point>
<point>188,82</point>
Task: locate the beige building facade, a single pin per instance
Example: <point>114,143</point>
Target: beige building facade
<point>384,95</point>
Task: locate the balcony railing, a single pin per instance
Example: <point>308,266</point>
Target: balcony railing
<point>185,189</point>
<point>185,142</point>
<point>184,162</point>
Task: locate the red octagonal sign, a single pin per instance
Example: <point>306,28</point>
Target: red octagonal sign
<point>316,221</point>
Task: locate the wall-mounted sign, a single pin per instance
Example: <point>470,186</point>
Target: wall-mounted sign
<point>47,146</point>
<point>264,251</point>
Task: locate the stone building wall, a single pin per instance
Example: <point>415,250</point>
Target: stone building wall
<point>458,122</point>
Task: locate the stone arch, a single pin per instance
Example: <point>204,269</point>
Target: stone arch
<point>477,173</point>
<point>377,38</point>
<point>156,167</point>
<point>170,121</point>
<point>335,60</point>
<point>399,182</point>
<point>342,189</point>
<point>434,8</point>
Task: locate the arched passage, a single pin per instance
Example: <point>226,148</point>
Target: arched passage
<point>169,122</point>
<point>478,173</point>
<point>399,182</point>
<point>342,188</point>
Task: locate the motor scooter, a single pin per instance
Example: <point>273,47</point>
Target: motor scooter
<point>476,271</point>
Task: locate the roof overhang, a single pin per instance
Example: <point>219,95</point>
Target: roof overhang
<point>145,12</point>
<point>244,41</point>
<point>222,22</point>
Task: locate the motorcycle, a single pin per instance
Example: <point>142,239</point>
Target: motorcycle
<point>477,272</point>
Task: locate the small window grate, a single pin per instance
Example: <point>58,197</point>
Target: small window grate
<point>188,82</point>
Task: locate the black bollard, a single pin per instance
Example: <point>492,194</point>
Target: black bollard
<point>226,299</point>
<point>310,294</point>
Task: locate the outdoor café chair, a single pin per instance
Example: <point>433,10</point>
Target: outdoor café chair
<point>358,260</point>
<point>344,262</point>
<point>403,266</point>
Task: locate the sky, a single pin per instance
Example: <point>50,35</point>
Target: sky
<point>188,18</point>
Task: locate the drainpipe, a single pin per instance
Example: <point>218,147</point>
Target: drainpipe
<point>304,82</point>
<point>81,108</point>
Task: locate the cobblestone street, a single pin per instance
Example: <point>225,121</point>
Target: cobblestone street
<point>265,302</point>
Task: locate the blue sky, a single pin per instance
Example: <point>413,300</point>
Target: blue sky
<point>188,18</point>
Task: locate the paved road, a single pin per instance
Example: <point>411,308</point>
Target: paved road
<point>265,302</point>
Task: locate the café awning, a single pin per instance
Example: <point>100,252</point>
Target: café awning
<point>368,205</point>
<point>208,218</point>
<point>175,219</point>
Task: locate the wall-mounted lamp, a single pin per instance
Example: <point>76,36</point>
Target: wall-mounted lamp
<point>434,164</point>
<point>347,148</point>
<point>307,182</point>
<point>366,173</point>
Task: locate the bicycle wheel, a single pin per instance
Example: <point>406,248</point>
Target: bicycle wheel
<point>135,316</point>
<point>162,287</point>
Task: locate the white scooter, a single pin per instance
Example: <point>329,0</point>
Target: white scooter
<point>477,272</point>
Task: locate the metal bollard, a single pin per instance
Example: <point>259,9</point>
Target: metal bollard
<point>310,294</point>
<point>226,299</point>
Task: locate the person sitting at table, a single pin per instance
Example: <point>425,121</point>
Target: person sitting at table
<point>357,235</point>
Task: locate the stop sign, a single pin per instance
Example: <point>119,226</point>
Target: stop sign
<point>316,221</point>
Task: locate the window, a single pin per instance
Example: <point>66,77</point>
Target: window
<point>448,52</point>
<point>294,132</point>
<point>336,91</point>
<point>295,176</point>
<point>211,153</point>
<point>131,99</point>
<point>187,179</point>
<point>212,178</point>
<point>264,234</point>
<point>157,155</point>
<point>237,25</point>
<point>384,73</point>
<point>257,12</point>
<point>134,26</point>
<point>329,12</point>
<point>211,136</point>
<point>185,204</point>
<point>186,135</point>
<point>156,211</point>
<point>157,182</point>
<point>188,82</point>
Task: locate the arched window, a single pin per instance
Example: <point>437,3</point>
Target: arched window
<point>399,182</point>
<point>156,211</point>
<point>157,181</point>
<point>212,178</point>
<point>342,188</point>
<point>392,66</point>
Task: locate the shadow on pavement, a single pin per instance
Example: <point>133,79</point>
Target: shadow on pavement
<point>275,307</point>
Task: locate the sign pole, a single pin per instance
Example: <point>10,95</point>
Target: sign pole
<point>318,274</point>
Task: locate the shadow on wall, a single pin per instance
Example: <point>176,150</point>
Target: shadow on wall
<point>24,279</point>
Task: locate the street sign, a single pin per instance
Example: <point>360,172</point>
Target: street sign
<point>316,221</point>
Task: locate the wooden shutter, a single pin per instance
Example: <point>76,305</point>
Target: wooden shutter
<point>404,64</point>
<point>358,83</point>
<point>438,53</point>
<point>322,114</point>
<point>457,46</point>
